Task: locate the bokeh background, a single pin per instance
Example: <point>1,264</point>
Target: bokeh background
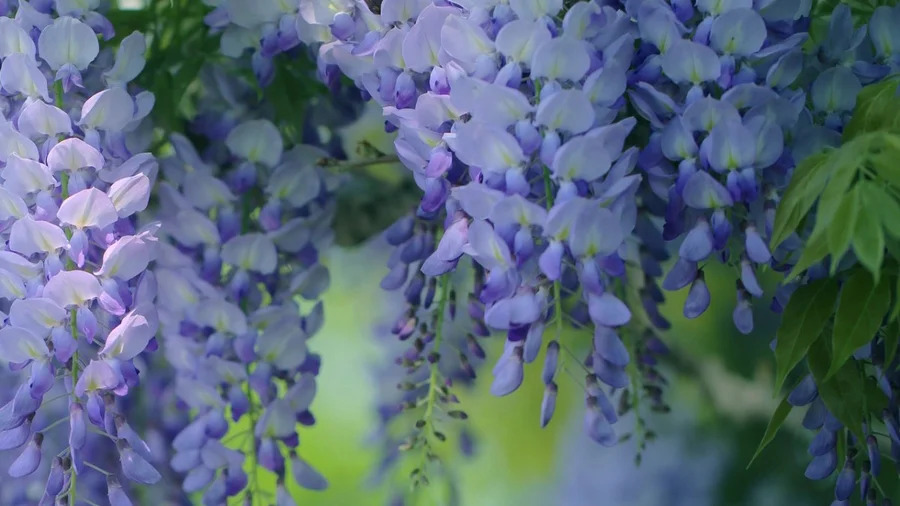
<point>720,392</point>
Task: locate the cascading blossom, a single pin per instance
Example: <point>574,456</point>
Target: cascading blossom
<point>511,123</point>
<point>233,282</point>
<point>78,302</point>
<point>518,120</point>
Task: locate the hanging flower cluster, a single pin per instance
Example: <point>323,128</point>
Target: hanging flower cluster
<point>78,300</point>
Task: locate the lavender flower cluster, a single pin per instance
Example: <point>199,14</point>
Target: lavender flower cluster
<point>563,152</point>
<point>78,300</point>
<point>562,145</point>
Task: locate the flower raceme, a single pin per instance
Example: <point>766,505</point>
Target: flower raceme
<point>78,301</point>
<point>519,122</point>
<point>230,311</point>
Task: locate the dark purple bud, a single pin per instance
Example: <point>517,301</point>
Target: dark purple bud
<point>15,436</point>
<point>306,418</point>
<point>548,404</point>
<point>533,339</point>
<point>95,408</point>
<point>77,427</point>
<point>874,454</point>
<point>216,493</point>
<point>235,480</point>
<point>342,26</point>
<point>550,362</point>
<point>135,467</point>
<point>823,443</point>
<point>528,136</point>
<point>216,426</point>
<point>846,480</point>
<point>430,292</point>
<point>596,426</point>
<point>42,379</point>
<point>405,92</point>
<point>239,402</point>
<point>56,479</point>
<point>891,424</point>
<point>821,466</point>
<point>401,231</point>
<point>815,415</point>
<point>755,246</point>
<point>721,228</point>
<point>473,347</point>
<point>508,373</point>
<point>24,403</point>
<point>865,479</point>
<point>743,313</point>
<point>64,345</point>
<point>126,432</point>
<point>832,423</point>
<point>804,393</point>
<point>183,462</point>
<point>550,260</point>
<point>197,479</point>
<point>610,347</point>
<point>115,494</point>
<point>307,476</point>
<point>413,292</point>
<point>269,456</point>
<point>244,347</point>
<point>698,244</point>
<point>451,304</point>
<point>611,374</point>
<point>682,274</point>
<point>191,437</point>
<point>396,277</point>
<point>698,298</point>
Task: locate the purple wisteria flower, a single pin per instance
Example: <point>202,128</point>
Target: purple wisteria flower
<point>78,301</point>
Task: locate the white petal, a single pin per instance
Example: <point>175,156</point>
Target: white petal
<point>130,194</point>
<point>88,208</point>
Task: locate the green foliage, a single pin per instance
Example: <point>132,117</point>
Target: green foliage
<point>778,417</point>
<point>802,322</point>
<point>853,187</point>
<point>876,110</point>
<point>845,199</point>
<point>848,393</point>
<point>861,309</point>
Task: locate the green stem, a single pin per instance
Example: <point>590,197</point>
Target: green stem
<point>557,286</point>
<point>253,478</point>
<point>58,94</point>
<point>434,372</point>
<point>73,314</point>
<point>358,164</point>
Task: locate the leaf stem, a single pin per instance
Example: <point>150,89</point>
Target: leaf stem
<point>341,167</point>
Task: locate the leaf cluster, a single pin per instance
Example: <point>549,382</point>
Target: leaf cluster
<point>846,203</point>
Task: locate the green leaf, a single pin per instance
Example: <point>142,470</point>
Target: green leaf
<point>815,249</point>
<point>861,308</point>
<point>841,229</point>
<point>843,393</point>
<point>778,417</point>
<point>876,109</point>
<point>806,314</point>
<point>868,235</point>
<point>806,184</point>
<point>886,207</point>
<point>891,339</point>
<point>895,313</point>
<point>884,152</point>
